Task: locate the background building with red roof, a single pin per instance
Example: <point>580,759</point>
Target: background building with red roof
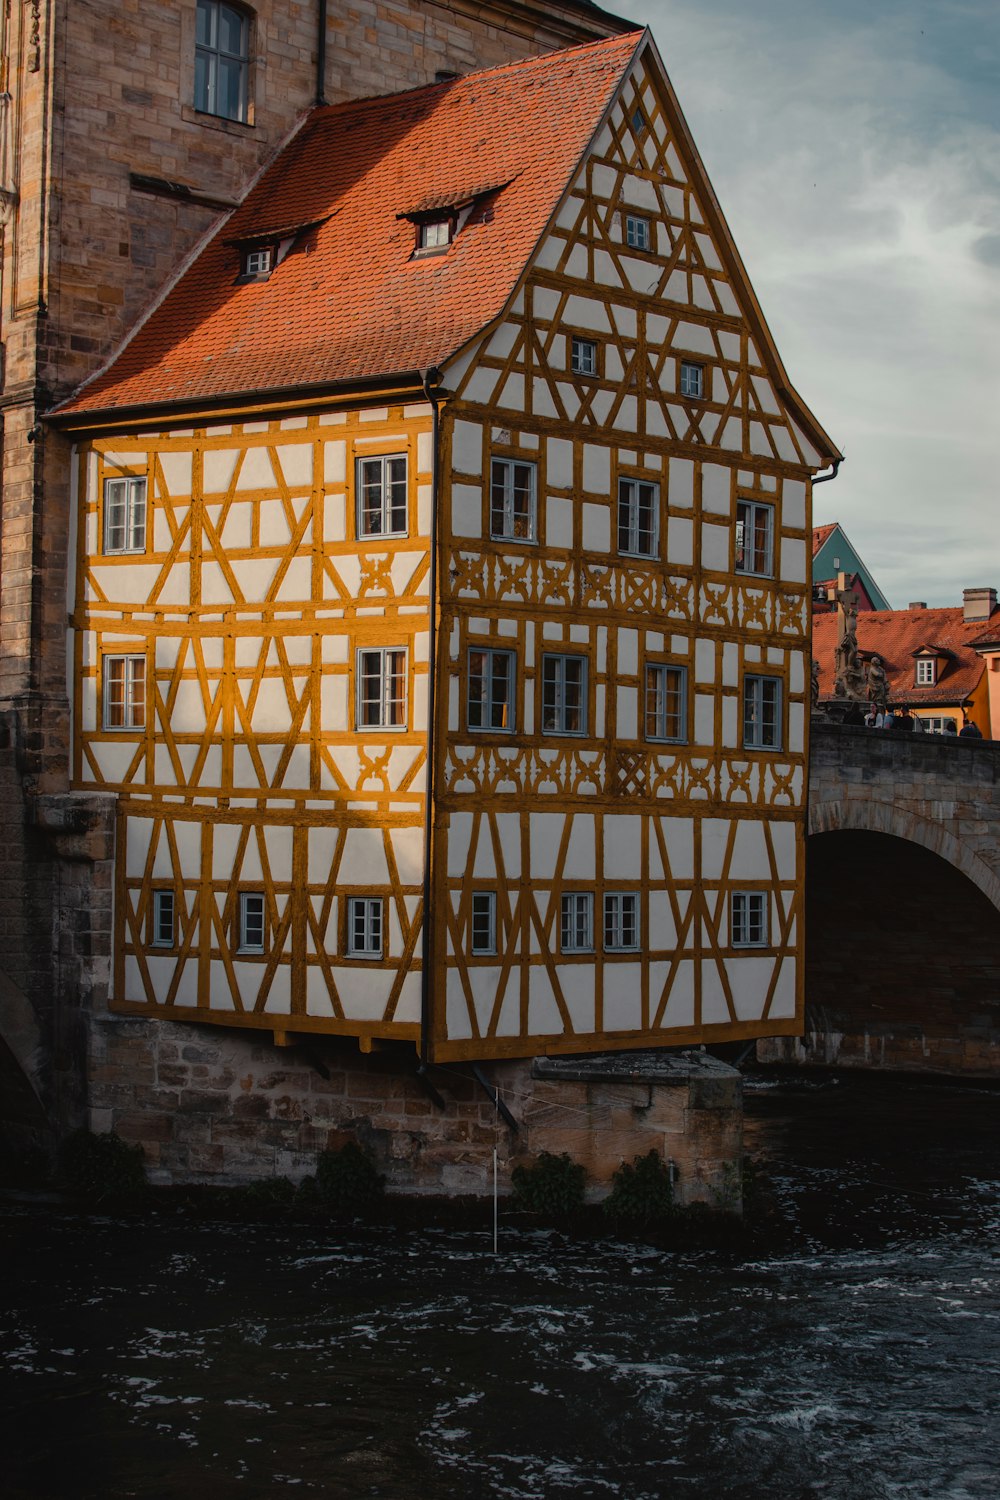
<point>939,662</point>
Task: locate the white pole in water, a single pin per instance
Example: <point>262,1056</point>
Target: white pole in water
<point>494,1200</point>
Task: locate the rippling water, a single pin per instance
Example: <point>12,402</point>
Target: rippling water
<point>855,1356</point>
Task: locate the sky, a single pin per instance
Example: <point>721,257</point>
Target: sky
<point>855,150</point>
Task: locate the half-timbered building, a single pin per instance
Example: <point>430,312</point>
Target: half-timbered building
<point>441,601</point>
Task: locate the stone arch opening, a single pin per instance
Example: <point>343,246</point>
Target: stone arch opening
<point>902,957</point>
<point>841,814</point>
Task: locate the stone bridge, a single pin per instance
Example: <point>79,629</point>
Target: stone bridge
<point>902,903</point>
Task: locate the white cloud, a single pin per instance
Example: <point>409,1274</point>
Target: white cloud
<point>856,155</point>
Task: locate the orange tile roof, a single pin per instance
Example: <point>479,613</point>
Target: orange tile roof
<point>896,635</point>
<point>822,534</point>
<point>349,303</point>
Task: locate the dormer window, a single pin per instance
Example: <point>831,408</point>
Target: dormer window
<point>926,671</point>
<point>436,234</point>
<point>439,220</point>
<point>258,263</point>
<point>261,250</point>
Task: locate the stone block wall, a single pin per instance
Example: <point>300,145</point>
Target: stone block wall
<point>56,890</point>
<point>217,1105</point>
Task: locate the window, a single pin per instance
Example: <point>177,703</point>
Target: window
<point>492,676</point>
<point>583,358</point>
<point>754,537</point>
<point>639,122</point>
<point>124,692</point>
<point>162,934</point>
<point>636,232</point>
<point>564,695</point>
<point>251,933</point>
<point>926,671</point>
<point>484,922</point>
<point>364,926</point>
<point>666,702</point>
<point>382,688</point>
<point>936,725</point>
<point>222,60</point>
<point>258,263</point>
<point>748,919</point>
<point>124,515</point>
<point>578,922</point>
<point>692,379</point>
<point>638,517</point>
<point>762,713</point>
<point>381,487</point>
<point>621,921</point>
<point>512,500</point>
<point>434,235</point>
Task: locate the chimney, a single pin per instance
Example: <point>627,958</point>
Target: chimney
<point>918,604</point>
<point>978,604</point>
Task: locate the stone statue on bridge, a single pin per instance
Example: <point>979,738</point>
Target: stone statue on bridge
<point>849,676</point>
<point>878,684</point>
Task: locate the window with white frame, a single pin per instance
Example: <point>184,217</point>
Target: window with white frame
<point>258,262</point>
<point>935,724</point>
<point>364,926</point>
<point>484,922</point>
<point>754,537</point>
<point>926,671</point>
<point>124,688</point>
<point>124,515</point>
<point>577,932</point>
<point>564,694</point>
<point>381,687</point>
<point>621,921</point>
<point>748,919</point>
<point>666,702</point>
<point>761,713</point>
<point>636,232</point>
<point>252,922</point>
<point>692,379</point>
<point>381,487</point>
<point>638,517</point>
<point>435,234</point>
<point>492,676</point>
<point>162,932</point>
<point>222,60</point>
<point>512,499</point>
<point>583,356</point>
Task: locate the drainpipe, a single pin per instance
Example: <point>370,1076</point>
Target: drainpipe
<point>825,478</point>
<point>430,378</point>
<point>321,54</point>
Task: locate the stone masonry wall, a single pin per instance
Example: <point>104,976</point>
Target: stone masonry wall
<point>220,1106</point>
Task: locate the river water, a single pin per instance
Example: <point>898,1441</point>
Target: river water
<point>850,1352</point>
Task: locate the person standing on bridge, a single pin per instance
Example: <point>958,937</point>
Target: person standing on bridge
<point>970,731</point>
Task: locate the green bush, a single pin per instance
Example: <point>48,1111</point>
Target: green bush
<point>102,1167</point>
<point>271,1193</point>
<point>641,1191</point>
<point>348,1183</point>
<point>551,1186</point>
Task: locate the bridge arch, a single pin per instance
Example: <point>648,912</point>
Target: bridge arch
<point>873,815</point>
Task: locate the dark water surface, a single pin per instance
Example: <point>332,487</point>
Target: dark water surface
<point>854,1355</point>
